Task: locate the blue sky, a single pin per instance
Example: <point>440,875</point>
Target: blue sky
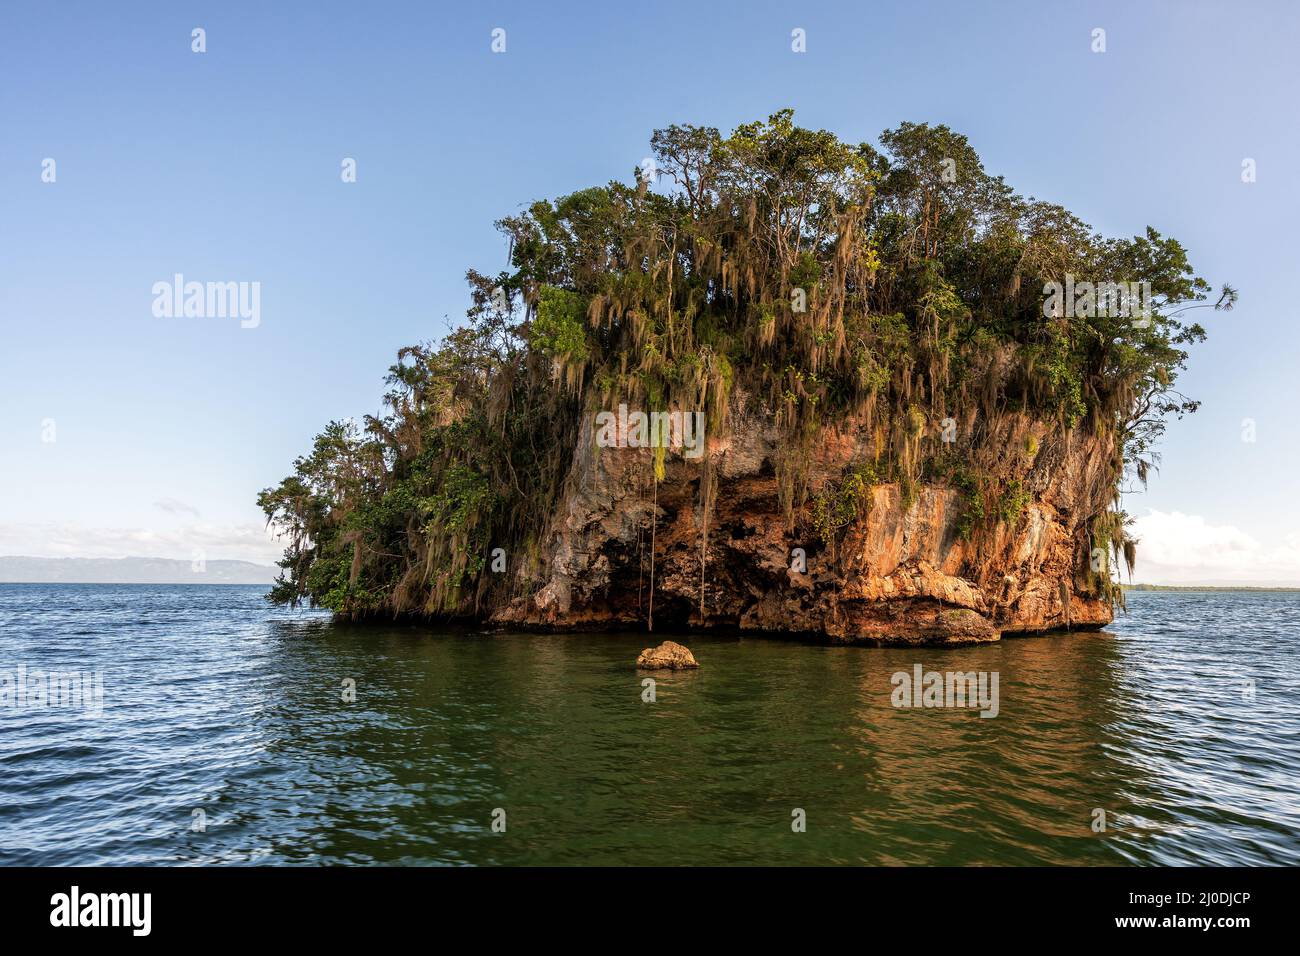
<point>225,166</point>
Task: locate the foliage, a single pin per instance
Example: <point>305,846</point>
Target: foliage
<point>841,503</point>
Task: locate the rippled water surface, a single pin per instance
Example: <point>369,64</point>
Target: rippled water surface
<point>213,702</point>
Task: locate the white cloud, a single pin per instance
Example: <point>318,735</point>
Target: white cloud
<point>175,506</point>
<point>69,540</point>
<point>1176,548</point>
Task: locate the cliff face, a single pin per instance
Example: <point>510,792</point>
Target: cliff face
<point>898,575</point>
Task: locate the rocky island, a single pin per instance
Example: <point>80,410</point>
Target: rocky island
<point>779,383</point>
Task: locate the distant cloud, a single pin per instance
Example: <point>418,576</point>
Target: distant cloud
<point>68,540</point>
<point>1176,548</point>
<point>176,507</point>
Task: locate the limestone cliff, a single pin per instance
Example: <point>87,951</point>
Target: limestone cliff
<point>899,575</point>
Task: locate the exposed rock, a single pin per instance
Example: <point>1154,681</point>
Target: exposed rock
<point>901,575</point>
<point>669,654</point>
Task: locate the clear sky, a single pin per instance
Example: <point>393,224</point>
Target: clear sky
<point>225,166</point>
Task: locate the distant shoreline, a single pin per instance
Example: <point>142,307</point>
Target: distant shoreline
<point>149,584</point>
<point>1205,587</point>
<point>24,569</point>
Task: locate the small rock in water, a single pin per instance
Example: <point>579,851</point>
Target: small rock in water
<point>669,654</point>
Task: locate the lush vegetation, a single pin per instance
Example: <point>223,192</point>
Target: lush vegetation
<point>896,287</point>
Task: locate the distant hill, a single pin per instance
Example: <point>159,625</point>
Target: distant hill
<point>25,570</point>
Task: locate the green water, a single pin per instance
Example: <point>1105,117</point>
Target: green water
<point>214,703</point>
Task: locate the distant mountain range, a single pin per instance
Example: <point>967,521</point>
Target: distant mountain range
<point>26,570</point>
<point>1208,587</point>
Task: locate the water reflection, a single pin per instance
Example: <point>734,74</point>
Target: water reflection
<point>241,712</point>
